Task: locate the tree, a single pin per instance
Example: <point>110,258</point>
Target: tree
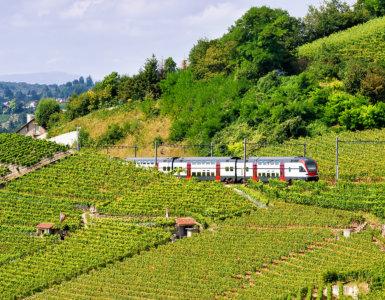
<point>330,17</point>
<point>45,109</point>
<point>13,106</point>
<point>210,58</point>
<point>81,80</point>
<point>169,65</point>
<point>89,81</point>
<point>376,8</point>
<point>151,77</point>
<point>8,93</point>
<point>266,40</point>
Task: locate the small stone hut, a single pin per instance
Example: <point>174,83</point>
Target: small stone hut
<point>185,227</point>
<point>45,228</point>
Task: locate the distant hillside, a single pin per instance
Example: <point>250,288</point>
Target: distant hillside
<point>40,78</point>
<point>365,41</point>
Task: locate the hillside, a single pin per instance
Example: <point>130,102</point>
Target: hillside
<point>140,129</point>
<point>363,42</point>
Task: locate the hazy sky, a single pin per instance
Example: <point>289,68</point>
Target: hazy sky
<point>100,36</point>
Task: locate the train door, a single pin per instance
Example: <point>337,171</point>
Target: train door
<point>255,172</point>
<point>188,171</point>
<point>282,172</point>
<point>218,172</point>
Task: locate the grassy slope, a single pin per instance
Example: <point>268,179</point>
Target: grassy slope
<point>145,130</point>
<point>365,41</point>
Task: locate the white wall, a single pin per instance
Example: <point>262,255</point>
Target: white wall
<point>69,138</point>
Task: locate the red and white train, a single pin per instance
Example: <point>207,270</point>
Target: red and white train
<point>232,169</point>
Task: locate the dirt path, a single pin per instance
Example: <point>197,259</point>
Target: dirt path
<point>257,203</point>
<point>85,221</point>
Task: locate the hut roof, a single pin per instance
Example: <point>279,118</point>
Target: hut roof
<point>45,226</point>
<point>185,221</point>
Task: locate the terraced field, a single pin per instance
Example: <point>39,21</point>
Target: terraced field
<point>239,258</point>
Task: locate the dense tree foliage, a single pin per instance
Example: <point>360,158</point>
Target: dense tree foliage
<point>45,109</point>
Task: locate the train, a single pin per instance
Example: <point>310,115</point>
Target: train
<point>234,169</point>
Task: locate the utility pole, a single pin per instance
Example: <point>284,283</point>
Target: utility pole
<point>304,149</point>
<point>156,153</point>
<point>244,161</point>
<point>212,149</point>
<point>337,159</point>
<point>135,149</point>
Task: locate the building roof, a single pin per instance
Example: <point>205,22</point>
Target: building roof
<point>26,124</point>
<point>185,221</point>
<point>45,226</point>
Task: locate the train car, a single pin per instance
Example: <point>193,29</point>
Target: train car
<point>232,169</point>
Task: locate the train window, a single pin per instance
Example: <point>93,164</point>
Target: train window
<point>302,169</point>
<point>277,162</point>
<point>268,174</point>
<point>273,175</point>
<point>231,169</point>
<point>247,169</point>
<point>164,168</point>
<point>168,168</point>
<point>259,174</point>
<point>272,162</point>
<point>199,174</point>
<point>194,174</point>
<point>289,169</point>
<point>212,174</point>
<point>264,163</point>
<point>227,169</point>
<point>263,174</point>
<point>199,162</point>
<point>203,173</point>
<point>194,162</point>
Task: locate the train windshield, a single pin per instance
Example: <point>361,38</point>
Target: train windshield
<point>311,166</point>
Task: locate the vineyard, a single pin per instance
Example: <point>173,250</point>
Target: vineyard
<point>118,188</point>
<point>103,243</point>
<point>357,162</point>
<point>20,150</point>
<point>283,250</point>
<point>364,42</point>
<point>345,195</point>
<point>229,260</point>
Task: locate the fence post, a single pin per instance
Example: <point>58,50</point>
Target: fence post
<point>244,162</point>
<point>337,159</point>
<point>135,149</point>
<point>304,149</point>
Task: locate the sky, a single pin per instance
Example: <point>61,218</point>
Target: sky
<point>97,37</point>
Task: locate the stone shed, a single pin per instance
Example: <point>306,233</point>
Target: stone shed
<point>45,228</point>
<point>185,227</point>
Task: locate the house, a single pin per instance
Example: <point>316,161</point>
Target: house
<point>31,128</point>
<point>32,105</point>
<point>185,227</point>
<point>44,228</point>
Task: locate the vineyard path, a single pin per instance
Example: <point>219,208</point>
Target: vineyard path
<point>257,203</point>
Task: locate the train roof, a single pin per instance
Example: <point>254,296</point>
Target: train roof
<point>221,159</point>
